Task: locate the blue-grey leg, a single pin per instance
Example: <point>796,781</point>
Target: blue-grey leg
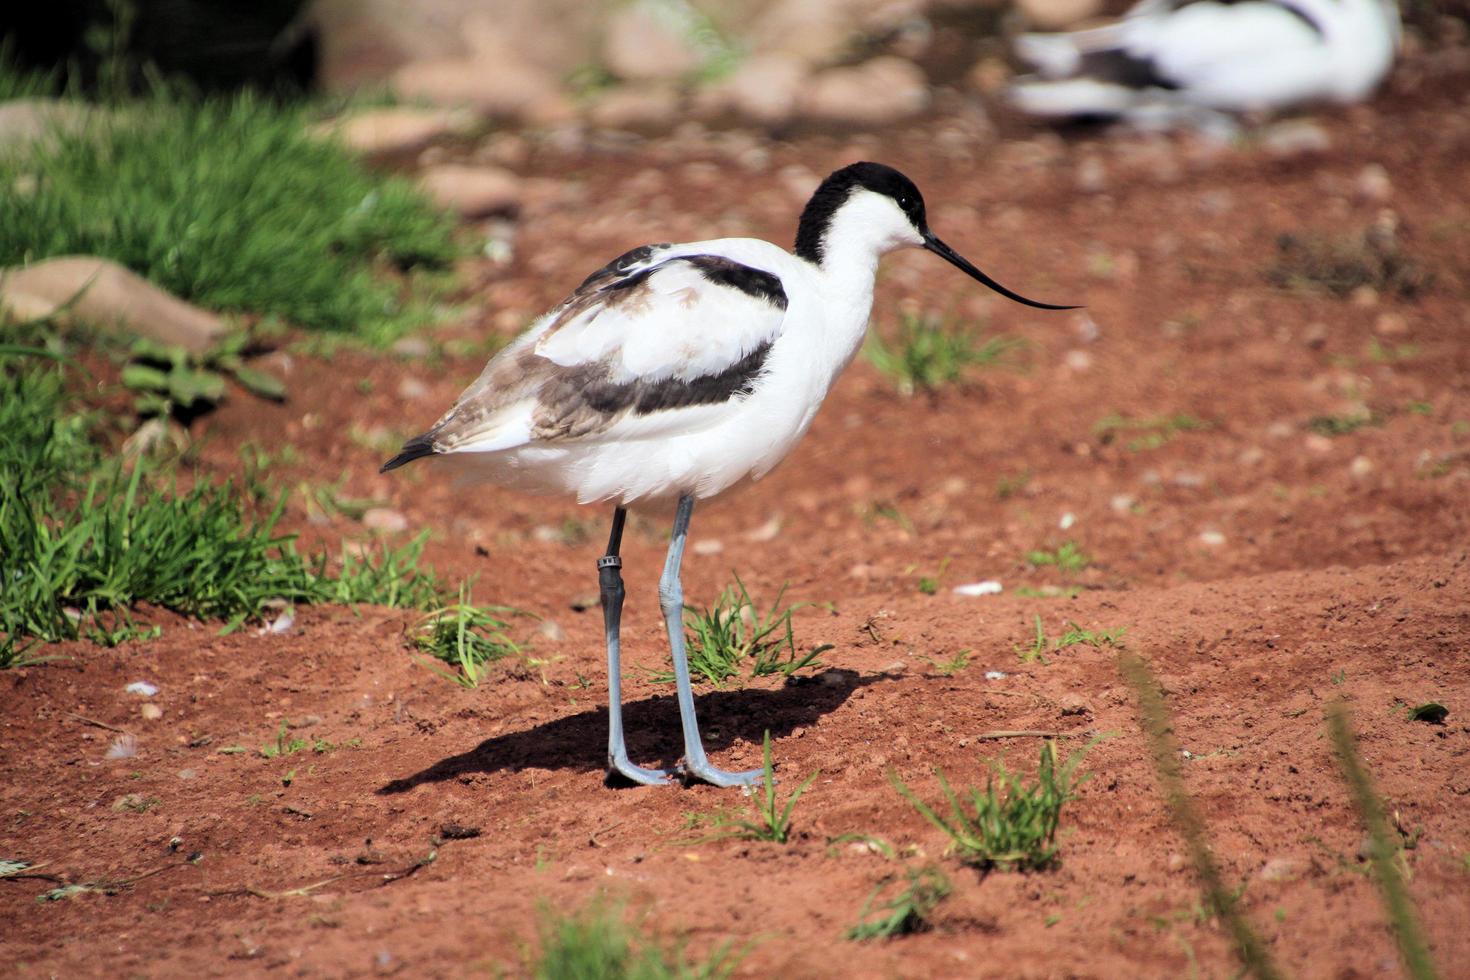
<point>671,598</point>
<point>610,582</point>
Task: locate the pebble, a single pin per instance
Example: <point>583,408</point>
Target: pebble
<point>987,587</point>
<point>1072,703</point>
<point>1213,539</point>
<point>1360,467</point>
<point>1373,184</point>
<point>1122,503</point>
<point>1278,869</point>
<point>187,773</point>
<point>150,712</point>
<point>472,192</point>
<point>707,546</point>
<point>551,631</point>
<point>384,519</point>
<point>876,92</point>
<point>767,531</point>
<point>1391,325</point>
<point>142,687</point>
<point>1294,138</point>
<point>1318,443</point>
<point>995,675</point>
<point>1092,176</point>
<point>1066,521</point>
<point>412,347</point>
<point>1077,360</point>
<point>412,389</point>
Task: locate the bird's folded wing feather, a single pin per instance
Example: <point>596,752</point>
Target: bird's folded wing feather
<point>650,333</point>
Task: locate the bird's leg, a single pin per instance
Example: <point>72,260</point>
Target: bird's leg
<point>610,583</point>
<point>671,597</point>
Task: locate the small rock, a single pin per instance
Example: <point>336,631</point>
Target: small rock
<point>883,90</point>
<point>1318,443</point>
<point>1391,325</point>
<point>1072,703</point>
<point>384,519</point>
<point>551,631</point>
<point>1213,539</point>
<point>412,390</point>
<point>1122,503</point>
<point>103,293</point>
<point>1373,184</point>
<point>1315,336</point>
<point>472,192</point>
<point>1364,296</point>
<point>142,687</point>
<point>641,45</point>
<point>1278,869</point>
<point>496,88</point>
<point>1360,467</point>
<point>1066,521</point>
<point>764,89</point>
<point>585,601</point>
<point>987,587</point>
<point>1176,862</point>
<point>995,675</point>
<point>130,801</point>
<point>639,108</point>
<point>150,712</point>
<point>1077,360</point>
<point>1092,176</point>
<point>1294,138</point>
<point>187,773</point>
<point>708,546</point>
<point>895,669</point>
<point>396,129</point>
<point>767,531</point>
<point>412,347</point>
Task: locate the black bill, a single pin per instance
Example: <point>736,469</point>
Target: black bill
<point>933,244</point>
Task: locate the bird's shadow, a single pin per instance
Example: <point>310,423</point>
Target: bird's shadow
<point>579,741</point>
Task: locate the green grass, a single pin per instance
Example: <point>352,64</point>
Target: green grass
<point>723,639</point>
<point>927,354</point>
<point>1067,557</point>
<point>1218,900</point>
<point>1383,850</point>
<point>1012,824</point>
<point>464,636</point>
<point>907,911</point>
<point>1338,265</point>
<point>85,541</point>
<point>595,943</point>
<point>1036,649</point>
<point>771,818</point>
<point>1147,433</point>
<point>1341,425</point>
<point>950,667</point>
<point>228,203</point>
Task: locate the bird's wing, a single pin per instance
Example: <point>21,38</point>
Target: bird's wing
<point>650,333</point>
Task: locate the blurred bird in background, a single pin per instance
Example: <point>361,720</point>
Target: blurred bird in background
<point>1192,62</point>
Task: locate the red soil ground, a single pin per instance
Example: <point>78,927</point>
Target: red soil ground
<point>1263,568</point>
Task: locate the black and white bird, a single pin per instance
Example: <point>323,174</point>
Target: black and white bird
<point>678,372</point>
<point>1194,61</point>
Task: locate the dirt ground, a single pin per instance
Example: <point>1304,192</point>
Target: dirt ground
<point>1264,566</point>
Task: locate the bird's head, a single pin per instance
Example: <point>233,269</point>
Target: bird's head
<point>878,207</point>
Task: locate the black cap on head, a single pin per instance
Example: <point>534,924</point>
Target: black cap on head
<point>881,179</point>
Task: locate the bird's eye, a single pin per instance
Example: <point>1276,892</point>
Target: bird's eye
<point>907,203</point>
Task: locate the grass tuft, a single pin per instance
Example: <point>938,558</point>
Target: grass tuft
<point>1383,851</point>
<point>927,355</point>
<point>907,911</point>
<point>466,637</point>
<point>1067,557</point>
<point>596,944</point>
<point>1147,433</point>
<point>1339,265</point>
<point>264,218</point>
<point>1011,825</point>
<point>1218,899</point>
<point>86,541</point>
<point>772,819</point>
<point>722,638</point>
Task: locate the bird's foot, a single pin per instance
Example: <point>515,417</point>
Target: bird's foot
<point>619,769</point>
<point>705,773</point>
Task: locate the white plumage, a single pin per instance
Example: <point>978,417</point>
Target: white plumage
<point>677,372</point>
<point>1168,61</point>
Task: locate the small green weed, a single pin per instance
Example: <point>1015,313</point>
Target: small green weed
<point>929,584</point>
<point>1149,433</point>
<point>906,912</point>
<point>950,667</point>
<point>927,355</point>
<point>1035,651</point>
<point>466,637</point>
<point>1007,487</point>
<point>1341,425</point>
<point>1049,591</point>
<point>772,820</point>
<point>283,745</point>
<point>170,381</point>
<point>595,943</point>
<point>1011,825</point>
<point>723,637</point>
<point>1067,557</point>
